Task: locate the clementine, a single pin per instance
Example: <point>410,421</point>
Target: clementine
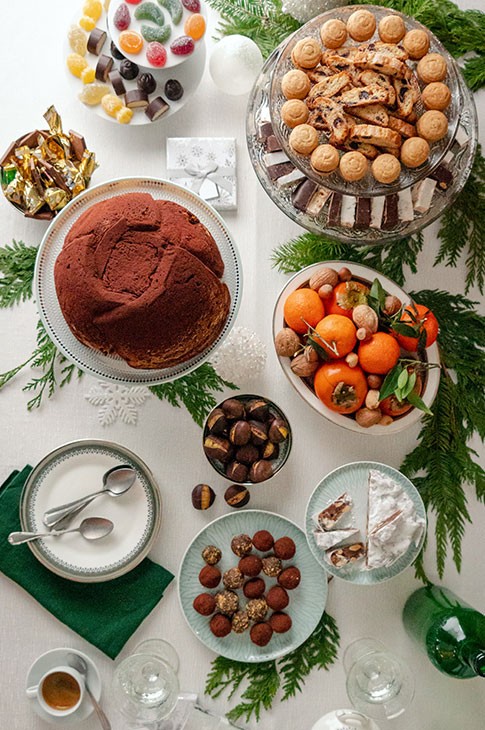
<point>303,307</point>
<point>337,335</point>
<point>340,387</point>
<point>379,354</point>
<point>420,318</point>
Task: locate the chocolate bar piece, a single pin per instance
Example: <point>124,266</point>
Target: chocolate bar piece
<point>346,555</point>
<point>334,210</point>
<point>405,205</point>
<point>292,177</point>
<point>136,99</point>
<point>347,213</point>
<point>265,130</point>
<point>423,194</point>
<point>103,67</point>
<point>156,108</point>
<point>333,513</point>
<point>362,213</point>
<point>117,83</point>
<point>78,145</point>
<point>96,41</point>
<point>272,144</point>
<point>303,193</point>
<point>274,158</point>
<point>276,171</point>
<point>443,177</point>
<point>317,201</point>
<point>390,218</point>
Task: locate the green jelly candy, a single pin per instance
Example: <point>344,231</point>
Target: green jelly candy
<point>151,33</point>
<point>150,11</point>
<point>175,9</point>
<point>8,176</point>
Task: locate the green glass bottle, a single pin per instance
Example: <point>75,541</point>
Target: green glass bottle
<point>450,631</point>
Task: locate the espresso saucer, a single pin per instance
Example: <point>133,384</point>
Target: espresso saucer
<point>57,658</point>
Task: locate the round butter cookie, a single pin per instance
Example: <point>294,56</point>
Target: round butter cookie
<point>325,158</point>
<point>353,166</point>
<point>294,112</point>
<point>416,43</point>
<point>391,29</point>
<point>333,33</point>
<point>295,84</point>
<point>436,96</point>
<point>414,152</point>
<point>361,25</point>
<point>386,168</point>
<point>432,67</point>
<point>307,53</point>
<point>303,139</point>
<point>433,125</point>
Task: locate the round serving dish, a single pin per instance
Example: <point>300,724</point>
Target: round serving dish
<point>457,163</point>
<point>368,186</point>
<point>283,447</point>
<point>303,386</point>
<point>307,601</point>
<point>110,367</point>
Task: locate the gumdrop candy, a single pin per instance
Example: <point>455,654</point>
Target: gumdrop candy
<point>150,11</point>
<point>79,67</point>
<point>156,54</point>
<point>195,26</point>
<point>77,40</point>
<point>122,18</point>
<point>133,2</point>
<point>192,5</point>
<point>93,8</point>
<point>124,115</point>
<point>152,33</point>
<point>93,93</point>
<point>182,46</point>
<point>87,23</point>
<point>174,8</point>
<point>111,104</point>
<point>130,41</point>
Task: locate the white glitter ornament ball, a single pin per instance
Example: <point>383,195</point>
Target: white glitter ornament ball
<point>305,10</point>
<point>241,357</point>
<point>234,64</point>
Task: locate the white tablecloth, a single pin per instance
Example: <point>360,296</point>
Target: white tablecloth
<point>33,78</point>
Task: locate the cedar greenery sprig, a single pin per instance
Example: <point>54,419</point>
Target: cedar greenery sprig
<point>261,682</point>
<point>16,273</point>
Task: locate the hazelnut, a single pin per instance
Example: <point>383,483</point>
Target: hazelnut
<point>325,291</point>
<point>344,274</point>
<point>386,421</point>
<point>392,305</point>
<point>374,381</point>
<point>366,418</point>
<point>287,343</point>
<point>323,276</point>
<point>236,496</point>
<point>260,471</point>
<point>236,471</point>
<point>203,496</point>
<point>240,433</point>
<point>363,334</point>
<point>259,432</point>
<point>218,448</point>
<point>278,431</point>
<point>216,421</point>
<point>364,316</point>
<point>352,359</point>
<point>372,399</point>
<point>257,409</point>
<point>233,408</point>
<point>301,366</point>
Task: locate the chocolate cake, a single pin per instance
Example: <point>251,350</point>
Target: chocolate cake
<point>140,278</point>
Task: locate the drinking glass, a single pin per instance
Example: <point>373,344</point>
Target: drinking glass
<point>378,682</point>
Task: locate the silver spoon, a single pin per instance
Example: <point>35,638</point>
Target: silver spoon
<point>92,528</point>
<point>116,481</point>
<point>78,663</point>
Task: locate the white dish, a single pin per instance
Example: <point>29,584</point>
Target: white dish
<point>110,367</point>
<point>73,471</point>
<point>55,658</point>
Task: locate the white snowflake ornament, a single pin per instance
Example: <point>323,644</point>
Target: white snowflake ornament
<point>305,10</point>
<point>117,402</point>
<point>242,356</point>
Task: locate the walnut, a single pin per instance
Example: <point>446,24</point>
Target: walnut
<point>303,367</point>
<point>287,342</point>
<point>364,316</point>
<point>392,305</point>
<point>366,418</point>
<point>323,276</point>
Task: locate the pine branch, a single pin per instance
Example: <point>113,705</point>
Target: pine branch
<point>17,263</point>
<point>474,72</point>
<point>194,391</point>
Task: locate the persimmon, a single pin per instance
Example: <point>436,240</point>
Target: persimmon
<point>391,406</point>
<point>420,318</point>
<point>337,335</point>
<point>345,296</point>
<point>303,307</point>
<point>340,387</point>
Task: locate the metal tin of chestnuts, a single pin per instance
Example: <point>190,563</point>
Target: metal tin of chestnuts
<point>247,439</point>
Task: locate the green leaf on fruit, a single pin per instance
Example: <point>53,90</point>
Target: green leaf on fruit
<point>376,297</point>
<point>391,382</point>
<point>405,329</point>
<point>312,341</point>
<point>417,402</point>
<point>403,379</point>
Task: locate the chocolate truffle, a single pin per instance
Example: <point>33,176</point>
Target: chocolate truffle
<point>203,496</point>
<point>233,578</point>
<point>211,554</point>
<point>220,625</point>
<point>289,578</point>
<point>233,408</point>
<point>146,82</point>
<point>261,633</point>
<point>236,471</point>
<point>240,622</point>
<point>280,622</point>
<point>257,609</point>
<point>277,598</point>
<point>284,548</point>
<point>260,471</point>
<point>272,566</point>
<point>204,604</point>
<point>241,545</point>
<point>174,90</point>
<point>236,496</point>
<point>209,576</point>
<point>254,588</point>
<point>247,454</point>
<point>240,433</point>
<point>263,540</point>
<point>250,565</point>
<point>227,602</point>
<point>128,69</point>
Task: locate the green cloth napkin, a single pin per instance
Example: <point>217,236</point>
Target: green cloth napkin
<point>105,614</point>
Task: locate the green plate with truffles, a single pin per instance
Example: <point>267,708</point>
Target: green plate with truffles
<point>307,601</point>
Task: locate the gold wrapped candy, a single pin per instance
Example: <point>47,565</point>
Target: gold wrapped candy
<point>42,171</point>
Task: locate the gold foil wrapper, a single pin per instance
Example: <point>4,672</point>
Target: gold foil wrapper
<point>42,171</point>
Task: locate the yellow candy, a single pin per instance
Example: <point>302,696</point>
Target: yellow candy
<point>88,75</point>
<point>93,8</point>
<point>87,23</point>
<point>124,115</point>
<point>93,93</point>
<point>111,104</point>
<point>77,40</point>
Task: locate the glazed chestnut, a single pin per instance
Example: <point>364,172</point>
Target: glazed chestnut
<point>270,450</point>
<point>203,496</point>
<point>236,471</point>
<point>240,433</point>
<point>260,471</point>
<point>233,408</point>
<point>216,421</point>
<point>247,454</point>
<point>217,448</point>
<point>257,409</point>
<point>259,432</point>
<point>236,496</point>
<point>278,431</point>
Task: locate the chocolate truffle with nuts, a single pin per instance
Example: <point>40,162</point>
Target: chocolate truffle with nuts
<point>240,622</point>
<point>233,578</point>
<point>241,545</point>
<point>227,602</point>
<point>257,609</point>
<point>211,554</point>
<point>272,566</point>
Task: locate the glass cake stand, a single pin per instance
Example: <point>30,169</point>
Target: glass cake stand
<point>457,161</point>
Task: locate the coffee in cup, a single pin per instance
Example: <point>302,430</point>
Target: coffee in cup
<point>59,692</point>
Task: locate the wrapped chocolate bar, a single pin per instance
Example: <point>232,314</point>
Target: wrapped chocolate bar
<point>205,165</point>
<point>43,170</point>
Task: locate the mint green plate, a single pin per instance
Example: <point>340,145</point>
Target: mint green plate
<point>307,602</point>
<point>352,478</point>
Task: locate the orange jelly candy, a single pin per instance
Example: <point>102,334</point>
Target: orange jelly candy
<point>195,26</point>
<point>130,41</point>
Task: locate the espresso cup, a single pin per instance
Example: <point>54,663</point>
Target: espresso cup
<point>59,692</point>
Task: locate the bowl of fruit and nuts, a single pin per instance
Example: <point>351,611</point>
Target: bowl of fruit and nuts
<point>356,347</point>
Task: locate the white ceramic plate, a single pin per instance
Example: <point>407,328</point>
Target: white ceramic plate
<point>188,74</point>
<point>307,602</point>
<point>353,479</point>
<point>111,367</point>
<point>71,472</point>
<point>58,658</point>
<point>366,274</point>
<point>177,31</point>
